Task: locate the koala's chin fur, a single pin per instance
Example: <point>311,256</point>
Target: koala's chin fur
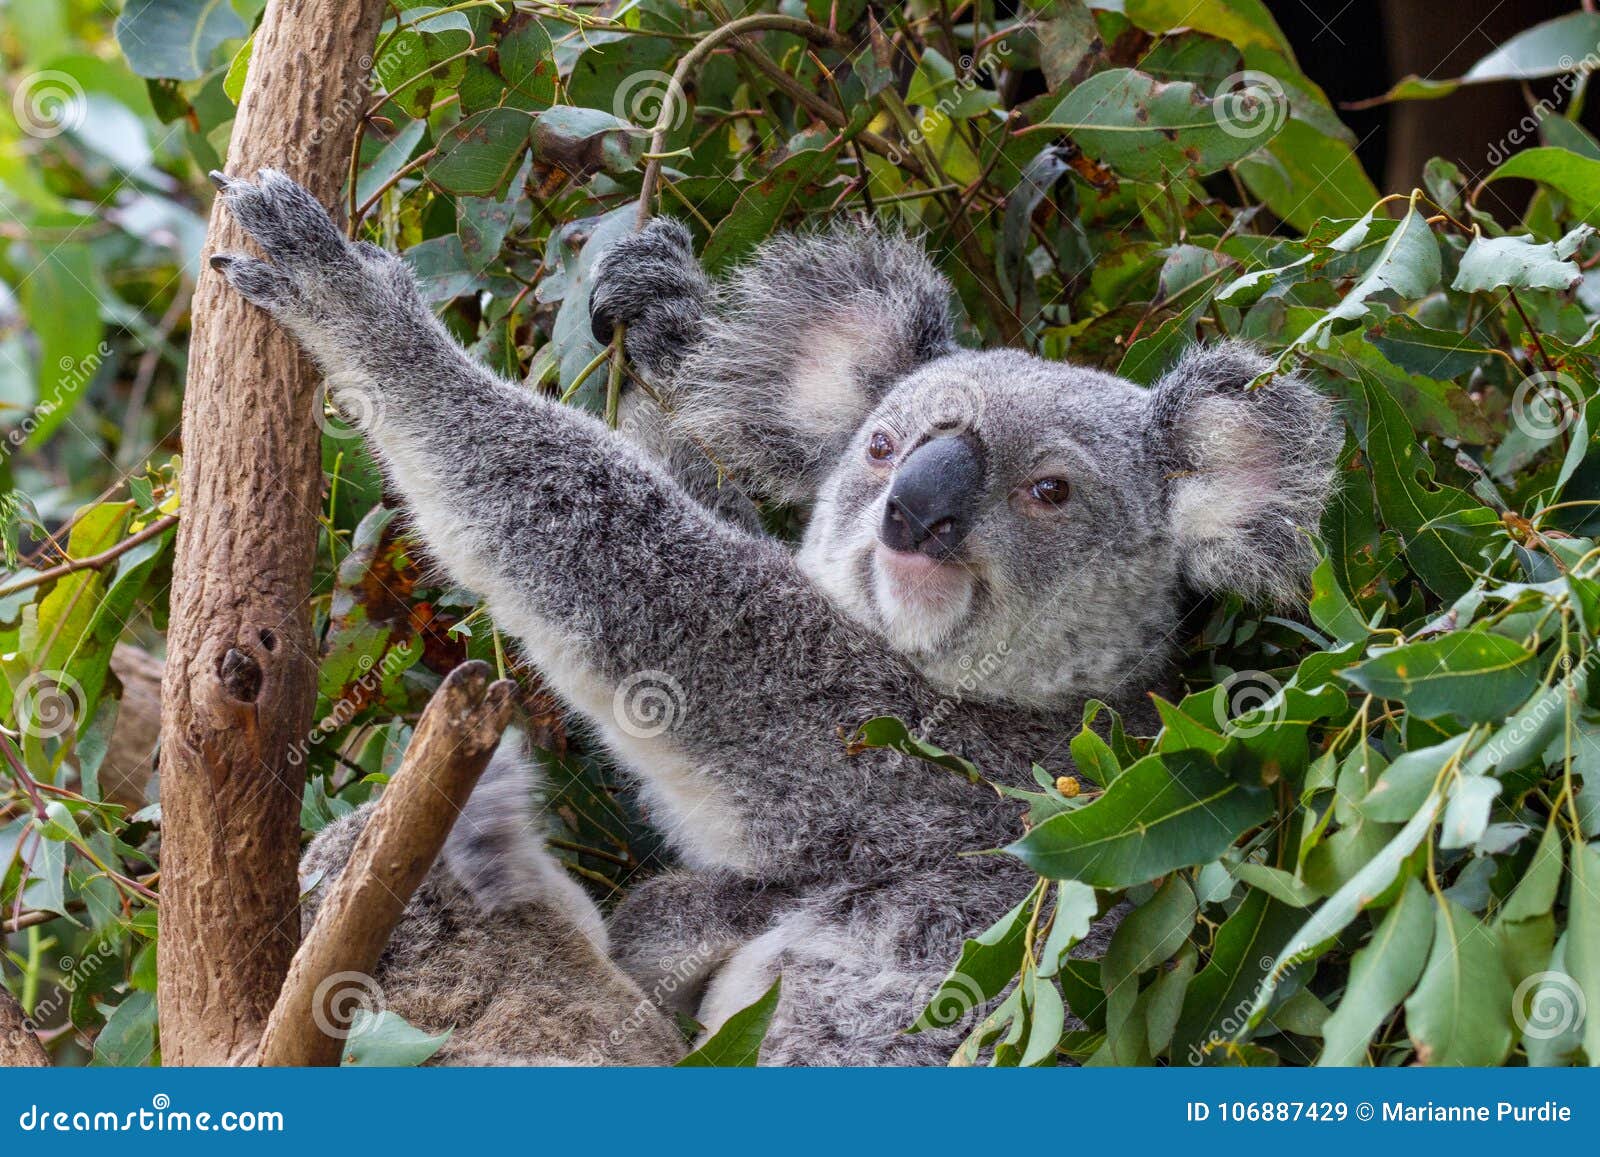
<point>991,540</point>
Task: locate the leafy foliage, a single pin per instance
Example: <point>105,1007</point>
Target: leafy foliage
<point>1365,837</point>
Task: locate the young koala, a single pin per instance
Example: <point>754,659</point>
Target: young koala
<point>499,946</point>
<point>992,539</point>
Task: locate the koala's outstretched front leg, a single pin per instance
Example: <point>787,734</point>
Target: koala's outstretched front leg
<point>670,629</point>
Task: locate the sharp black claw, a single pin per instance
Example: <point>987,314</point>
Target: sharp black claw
<point>600,325</point>
<point>220,261</point>
<point>219,179</point>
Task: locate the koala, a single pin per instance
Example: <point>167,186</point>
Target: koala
<point>991,540</point>
<point>499,946</point>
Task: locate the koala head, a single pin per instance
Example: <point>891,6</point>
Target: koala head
<point>1031,519</point>
<point>1040,522</point>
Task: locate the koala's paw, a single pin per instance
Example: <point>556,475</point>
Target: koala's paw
<point>314,272</point>
<point>651,283</point>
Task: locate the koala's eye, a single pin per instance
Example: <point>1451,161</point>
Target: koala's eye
<point>880,446</point>
<point>1050,491</point>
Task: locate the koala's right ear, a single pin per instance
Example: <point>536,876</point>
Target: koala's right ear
<point>801,344</point>
<point>1248,471</point>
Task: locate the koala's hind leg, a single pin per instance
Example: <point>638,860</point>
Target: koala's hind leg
<point>500,948</point>
<point>672,932</point>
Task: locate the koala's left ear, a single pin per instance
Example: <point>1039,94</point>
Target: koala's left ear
<point>1248,471</point>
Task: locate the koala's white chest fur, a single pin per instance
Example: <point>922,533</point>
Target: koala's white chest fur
<point>701,823</point>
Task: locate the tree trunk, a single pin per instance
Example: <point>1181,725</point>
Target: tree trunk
<point>448,751</point>
<point>240,677</point>
<point>19,1048</point>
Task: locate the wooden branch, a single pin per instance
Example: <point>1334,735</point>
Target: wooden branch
<point>240,679</point>
<point>453,741</point>
<point>19,1048</point>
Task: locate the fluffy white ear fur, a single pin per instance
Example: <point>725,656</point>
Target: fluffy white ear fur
<point>1249,471</point>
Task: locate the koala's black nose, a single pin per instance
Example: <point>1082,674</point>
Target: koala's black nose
<point>934,497</point>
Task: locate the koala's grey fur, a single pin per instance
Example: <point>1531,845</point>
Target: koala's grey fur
<point>499,946</point>
<point>841,871</point>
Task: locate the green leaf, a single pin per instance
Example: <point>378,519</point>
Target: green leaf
<point>887,731</point>
<point>1474,676</point>
<point>479,156</point>
<point>1165,812</point>
<point>59,301</point>
<point>129,1036</point>
<point>1371,881</point>
<point>1076,908</point>
<point>1547,49</point>
<point>175,38</point>
<point>1442,528</point>
<point>1574,177</point>
<point>1520,263</point>
<point>1460,1013</point>
<point>737,1044</point>
<point>1330,609</point>
<point>1421,349</point>
<point>1245,946</point>
<point>586,140</point>
<point>1304,175</point>
<point>987,964</point>
<point>385,1040</point>
<point>1381,976</point>
<point>1241,22</point>
<point>1583,939</point>
<point>1151,130</point>
<point>1408,265</point>
<point>1535,893</point>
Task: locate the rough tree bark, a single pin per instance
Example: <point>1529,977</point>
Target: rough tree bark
<point>452,743</point>
<point>240,677</point>
<point>19,1048</point>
